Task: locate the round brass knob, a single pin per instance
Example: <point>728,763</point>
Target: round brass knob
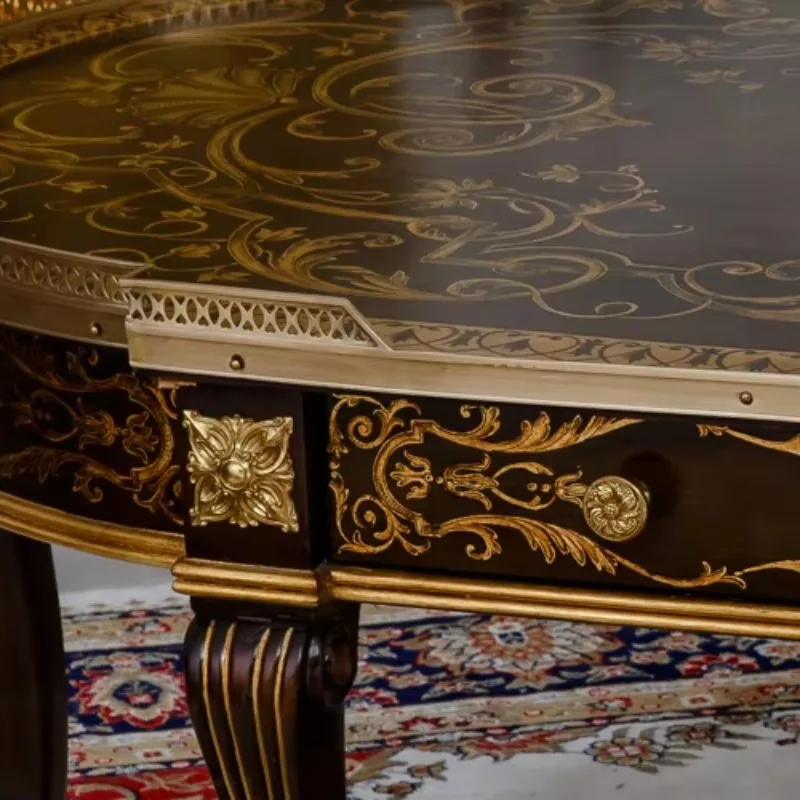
<point>615,508</point>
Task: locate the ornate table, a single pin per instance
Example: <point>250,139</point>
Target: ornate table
<point>470,304</point>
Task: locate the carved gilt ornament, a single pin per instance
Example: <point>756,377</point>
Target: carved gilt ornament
<point>241,470</point>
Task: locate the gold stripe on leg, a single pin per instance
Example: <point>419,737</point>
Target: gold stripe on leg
<point>255,691</point>
<point>210,712</point>
<point>278,697</point>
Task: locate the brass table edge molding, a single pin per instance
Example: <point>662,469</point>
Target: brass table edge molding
<point>182,310</point>
<point>331,338</point>
<point>51,272</point>
<point>62,294</point>
<point>244,582</point>
<point>311,589</point>
<point>578,605</point>
<point>138,545</point>
<point>62,318</point>
<point>657,390</point>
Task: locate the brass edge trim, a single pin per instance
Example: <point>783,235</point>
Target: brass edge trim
<point>569,613</point>
<point>206,666</point>
<point>281,598</point>
<point>665,390</point>
<point>59,317</point>
<point>139,545</point>
<point>145,316</point>
<point>245,581</point>
<point>226,665</point>
<point>255,691</point>
<point>279,733</point>
<point>48,273</point>
<point>584,598</point>
<point>296,359</point>
<point>714,616</point>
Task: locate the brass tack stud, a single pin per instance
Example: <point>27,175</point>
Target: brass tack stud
<point>237,363</point>
<point>746,398</point>
<point>96,329</point>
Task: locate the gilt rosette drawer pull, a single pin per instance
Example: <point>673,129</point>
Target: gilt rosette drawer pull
<point>616,508</point>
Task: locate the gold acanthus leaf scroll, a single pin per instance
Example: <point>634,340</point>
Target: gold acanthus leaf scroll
<point>374,522</point>
<point>61,413</point>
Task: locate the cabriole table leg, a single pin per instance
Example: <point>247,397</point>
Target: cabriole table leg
<point>33,701</point>
<point>267,699</point>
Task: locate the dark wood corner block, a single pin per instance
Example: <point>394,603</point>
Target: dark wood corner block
<point>255,475</point>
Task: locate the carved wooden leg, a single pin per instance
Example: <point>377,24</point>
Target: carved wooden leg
<point>267,701</point>
<point>33,685</point>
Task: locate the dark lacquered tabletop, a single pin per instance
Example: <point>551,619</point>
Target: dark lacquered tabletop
<point>602,169</point>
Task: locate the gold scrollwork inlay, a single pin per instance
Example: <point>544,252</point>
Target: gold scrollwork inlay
<point>375,521</point>
<point>242,471</point>
<point>614,508</point>
<point>74,431</point>
<point>182,185</point>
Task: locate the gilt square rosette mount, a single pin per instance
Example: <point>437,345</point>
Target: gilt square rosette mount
<point>242,471</point>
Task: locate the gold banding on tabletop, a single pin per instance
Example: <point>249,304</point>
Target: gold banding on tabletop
<point>139,545</point>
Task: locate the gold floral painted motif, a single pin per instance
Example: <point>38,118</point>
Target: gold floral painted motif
<point>60,411</point>
<point>495,240</point>
<point>375,521</point>
<point>790,446</point>
<point>242,471</point>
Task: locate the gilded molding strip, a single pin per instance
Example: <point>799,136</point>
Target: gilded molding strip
<point>354,584</point>
<point>138,545</point>
<point>286,780</point>
<point>203,578</point>
<point>255,690</point>
<point>210,710</point>
<point>516,599</point>
<point>642,389</point>
<point>226,665</point>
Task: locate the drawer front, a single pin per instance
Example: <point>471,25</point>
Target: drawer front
<point>551,494</point>
<point>80,431</point>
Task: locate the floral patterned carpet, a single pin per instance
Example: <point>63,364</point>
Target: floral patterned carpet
<point>465,706</point>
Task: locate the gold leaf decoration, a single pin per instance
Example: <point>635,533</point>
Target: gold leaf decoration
<point>375,521</point>
<point>242,471</point>
<point>74,432</point>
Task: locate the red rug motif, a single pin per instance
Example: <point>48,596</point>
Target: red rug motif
<point>464,706</point>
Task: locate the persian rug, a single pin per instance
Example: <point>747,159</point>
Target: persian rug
<point>450,706</point>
